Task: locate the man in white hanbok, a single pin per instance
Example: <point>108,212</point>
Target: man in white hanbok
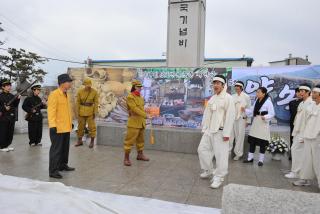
<point>297,149</point>
<point>241,101</point>
<point>311,140</point>
<point>217,125</point>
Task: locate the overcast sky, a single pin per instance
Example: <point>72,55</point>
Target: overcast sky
<point>135,29</point>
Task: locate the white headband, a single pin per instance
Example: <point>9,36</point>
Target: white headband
<point>316,89</point>
<point>219,79</point>
<point>239,84</point>
<point>304,88</point>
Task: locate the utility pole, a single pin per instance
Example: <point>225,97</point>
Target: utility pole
<point>1,30</point>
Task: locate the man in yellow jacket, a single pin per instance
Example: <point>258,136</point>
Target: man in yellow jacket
<point>60,124</point>
<point>136,124</point>
<point>87,108</point>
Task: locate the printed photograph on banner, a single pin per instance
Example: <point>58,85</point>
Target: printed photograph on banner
<point>280,83</point>
<point>174,97</point>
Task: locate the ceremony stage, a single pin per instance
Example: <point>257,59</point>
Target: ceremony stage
<point>168,176</point>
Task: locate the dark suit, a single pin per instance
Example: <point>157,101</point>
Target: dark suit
<point>7,119</point>
<point>34,119</point>
<point>293,106</point>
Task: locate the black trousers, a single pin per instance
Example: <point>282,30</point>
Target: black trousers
<point>253,141</point>
<point>59,150</point>
<point>6,133</point>
<point>291,137</point>
<point>35,131</point>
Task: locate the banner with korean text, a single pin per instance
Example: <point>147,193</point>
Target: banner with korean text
<point>176,97</point>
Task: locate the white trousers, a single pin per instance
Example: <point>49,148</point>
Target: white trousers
<point>297,153</point>
<point>238,133</point>
<point>212,145</point>
<point>311,162</point>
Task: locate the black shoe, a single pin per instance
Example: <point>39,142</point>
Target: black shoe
<point>67,168</point>
<point>55,175</point>
<point>247,161</point>
<point>260,163</point>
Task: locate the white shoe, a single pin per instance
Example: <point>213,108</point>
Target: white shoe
<point>10,148</point>
<point>206,174</point>
<point>217,181</point>
<point>4,150</point>
<point>302,182</point>
<point>212,179</point>
<point>291,175</point>
<point>236,158</point>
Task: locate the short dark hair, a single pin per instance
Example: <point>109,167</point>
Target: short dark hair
<point>305,84</point>
<point>263,90</point>
<point>239,81</point>
<point>221,76</point>
<point>297,90</point>
<point>242,87</point>
<point>133,88</point>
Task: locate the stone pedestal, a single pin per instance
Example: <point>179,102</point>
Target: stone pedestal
<point>241,199</point>
<point>21,125</point>
<point>166,139</point>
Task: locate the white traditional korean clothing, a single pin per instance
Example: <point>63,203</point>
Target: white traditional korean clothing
<point>218,120</point>
<point>311,138</point>
<point>297,149</point>
<point>239,127</point>
<point>259,133</point>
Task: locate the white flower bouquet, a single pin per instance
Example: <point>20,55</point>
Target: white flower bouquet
<point>278,145</point>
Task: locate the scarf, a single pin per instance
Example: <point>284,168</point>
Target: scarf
<point>259,104</point>
<point>136,93</point>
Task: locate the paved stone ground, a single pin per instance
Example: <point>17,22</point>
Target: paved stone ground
<point>168,176</point>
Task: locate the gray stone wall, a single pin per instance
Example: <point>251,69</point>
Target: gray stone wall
<point>166,139</point>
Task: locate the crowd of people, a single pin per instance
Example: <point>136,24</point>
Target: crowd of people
<point>225,121</point>
<point>224,124</point>
<point>60,120</point>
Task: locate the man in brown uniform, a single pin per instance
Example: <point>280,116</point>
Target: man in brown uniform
<point>87,108</point>
<point>136,123</point>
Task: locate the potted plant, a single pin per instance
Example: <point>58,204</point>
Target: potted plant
<point>277,147</point>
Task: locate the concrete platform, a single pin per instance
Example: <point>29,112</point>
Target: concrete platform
<point>168,176</point>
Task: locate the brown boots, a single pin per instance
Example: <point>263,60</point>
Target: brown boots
<point>126,161</point>
<point>79,143</point>
<point>141,156</point>
<point>91,143</point>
